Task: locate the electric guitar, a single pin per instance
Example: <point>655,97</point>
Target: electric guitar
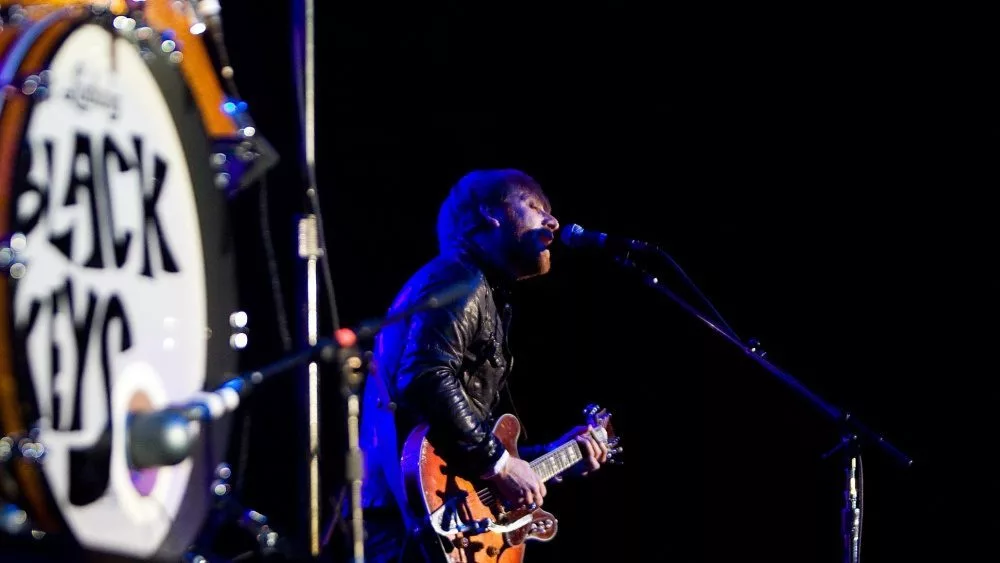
<point>463,518</point>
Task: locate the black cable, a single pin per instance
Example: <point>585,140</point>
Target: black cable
<point>690,283</point>
<point>272,266</point>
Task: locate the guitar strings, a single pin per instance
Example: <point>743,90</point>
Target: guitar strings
<point>486,494</point>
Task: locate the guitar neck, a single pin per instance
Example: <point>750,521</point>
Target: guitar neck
<point>557,460</point>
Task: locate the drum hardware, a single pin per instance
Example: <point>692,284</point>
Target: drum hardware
<point>244,159</point>
<point>239,160</point>
<point>13,520</point>
<point>206,10</point>
<point>248,156</point>
<point>12,260</point>
<point>226,509</point>
<point>22,447</point>
<point>33,85</point>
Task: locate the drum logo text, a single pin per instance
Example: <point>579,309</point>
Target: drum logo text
<point>68,203</point>
<point>90,94</point>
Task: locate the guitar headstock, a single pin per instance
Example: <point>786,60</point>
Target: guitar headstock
<point>600,419</point>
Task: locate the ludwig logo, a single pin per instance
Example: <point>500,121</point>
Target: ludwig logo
<point>85,91</point>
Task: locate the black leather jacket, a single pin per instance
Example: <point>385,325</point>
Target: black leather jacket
<point>448,365</point>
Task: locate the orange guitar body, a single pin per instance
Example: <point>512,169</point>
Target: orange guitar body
<point>456,504</point>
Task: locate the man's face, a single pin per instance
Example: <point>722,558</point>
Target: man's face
<point>529,230</point>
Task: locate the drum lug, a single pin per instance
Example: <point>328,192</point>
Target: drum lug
<point>170,47</point>
<point>22,446</point>
<point>14,520</point>
<point>12,254</point>
<point>238,163</point>
<point>15,16</point>
<point>35,86</point>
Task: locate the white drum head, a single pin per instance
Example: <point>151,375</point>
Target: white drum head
<point>124,281</point>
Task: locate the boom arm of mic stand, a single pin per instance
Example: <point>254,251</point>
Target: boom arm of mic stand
<point>834,413</point>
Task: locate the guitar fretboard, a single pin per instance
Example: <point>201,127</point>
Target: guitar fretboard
<point>562,458</point>
<point>558,460</point>
<point>553,462</point>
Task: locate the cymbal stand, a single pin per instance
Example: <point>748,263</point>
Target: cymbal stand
<point>310,251</point>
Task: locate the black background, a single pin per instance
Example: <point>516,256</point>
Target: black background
<point>812,174</point>
<point>811,170</point>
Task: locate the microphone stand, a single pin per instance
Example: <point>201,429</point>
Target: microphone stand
<point>853,432</point>
<point>343,351</point>
<point>226,507</point>
<point>312,250</point>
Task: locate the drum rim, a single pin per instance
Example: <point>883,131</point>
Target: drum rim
<point>217,255</point>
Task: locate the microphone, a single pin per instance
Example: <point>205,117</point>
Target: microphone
<point>168,436</point>
<point>575,236</point>
<point>159,438</point>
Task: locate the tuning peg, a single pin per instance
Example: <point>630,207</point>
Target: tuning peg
<point>614,441</point>
<point>591,409</point>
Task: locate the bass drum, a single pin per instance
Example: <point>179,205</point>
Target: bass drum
<point>121,276</point>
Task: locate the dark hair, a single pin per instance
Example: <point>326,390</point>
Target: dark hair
<point>459,215</point>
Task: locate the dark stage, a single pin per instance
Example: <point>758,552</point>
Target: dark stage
<point>811,178</point>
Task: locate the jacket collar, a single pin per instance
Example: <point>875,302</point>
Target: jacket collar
<point>500,281</point>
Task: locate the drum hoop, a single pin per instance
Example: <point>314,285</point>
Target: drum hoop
<point>48,34</point>
<point>20,48</point>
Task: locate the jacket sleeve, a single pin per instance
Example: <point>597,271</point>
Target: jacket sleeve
<point>429,381</point>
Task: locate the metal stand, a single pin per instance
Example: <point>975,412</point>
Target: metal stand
<point>227,509</point>
<point>354,472</point>
<point>310,252</point>
<point>853,431</point>
<point>852,512</point>
<point>312,247</point>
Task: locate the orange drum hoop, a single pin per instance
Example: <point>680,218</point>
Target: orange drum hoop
<point>162,16</point>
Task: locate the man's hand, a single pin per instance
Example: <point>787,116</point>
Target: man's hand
<point>595,452</point>
<point>518,483</point>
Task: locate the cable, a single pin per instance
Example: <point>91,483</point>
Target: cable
<point>690,283</point>
<point>272,266</point>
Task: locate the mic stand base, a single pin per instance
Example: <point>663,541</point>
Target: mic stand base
<point>351,366</point>
<point>853,510</point>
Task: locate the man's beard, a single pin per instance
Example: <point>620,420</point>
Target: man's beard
<point>527,260</point>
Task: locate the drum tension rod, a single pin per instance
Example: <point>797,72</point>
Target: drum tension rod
<point>22,446</point>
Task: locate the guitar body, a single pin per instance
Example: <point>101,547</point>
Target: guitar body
<point>468,523</point>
